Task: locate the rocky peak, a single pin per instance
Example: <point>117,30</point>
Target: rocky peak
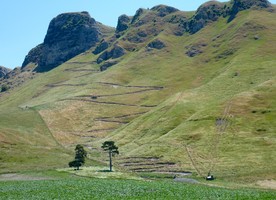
<point>239,5</point>
<point>247,4</point>
<point>164,10</point>
<point>207,12</point>
<point>212,10</point>
<point>70,24</point>
<point>68,35</point>
<point>138,13</point>
<point>123,23</point>
<point>4,71</point>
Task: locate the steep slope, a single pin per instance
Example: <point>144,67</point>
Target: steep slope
<point>226,122</point>
<point>174,99</point>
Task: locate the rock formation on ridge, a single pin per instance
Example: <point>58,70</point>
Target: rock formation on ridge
<point>68,35</point>
<point>4,71</point>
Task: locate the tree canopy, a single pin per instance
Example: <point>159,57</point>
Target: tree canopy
<point>80,155</point>
<point>112,150</point>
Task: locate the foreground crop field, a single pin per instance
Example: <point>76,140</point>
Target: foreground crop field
<point>83,188</point>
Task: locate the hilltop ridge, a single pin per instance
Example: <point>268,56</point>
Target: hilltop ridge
<point>70,34</point>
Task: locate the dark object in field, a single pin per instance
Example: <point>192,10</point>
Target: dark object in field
<point>210,177</point>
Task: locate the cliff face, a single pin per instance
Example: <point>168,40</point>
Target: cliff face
<point>68,35</point>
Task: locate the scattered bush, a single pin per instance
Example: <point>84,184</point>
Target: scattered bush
<point>4,88</point>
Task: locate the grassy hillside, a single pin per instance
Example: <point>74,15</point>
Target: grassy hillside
<point>168,111</point>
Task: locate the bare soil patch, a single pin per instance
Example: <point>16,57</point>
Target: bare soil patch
<point>271,184</point>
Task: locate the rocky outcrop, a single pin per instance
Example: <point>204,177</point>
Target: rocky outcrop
<point>101,47</point>
<point>206,13</point>
<point>68,35</point>
<point>137,15</point>
<point>33,56</point>
<point>240,5</point>
<point>163,10</point>
<point>4,71</point>
<point>195,49</point>
<point>156,44</point>
<point>108,64</point>
<point>212,10</point>
<point>123,23</point>
<point>115,52</point>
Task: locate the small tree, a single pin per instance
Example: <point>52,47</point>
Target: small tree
<point>80,155</point>
<point>112,150</point>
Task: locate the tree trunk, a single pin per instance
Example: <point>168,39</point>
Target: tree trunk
<point>110,161</point>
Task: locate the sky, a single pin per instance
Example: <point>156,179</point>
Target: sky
<point>24,23</point>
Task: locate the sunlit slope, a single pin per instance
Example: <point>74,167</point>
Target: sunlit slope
<point>26,142</point>
<point>226,125</point>
<point>213,111</point>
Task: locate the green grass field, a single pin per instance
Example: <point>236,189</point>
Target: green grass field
<point>90,188</point>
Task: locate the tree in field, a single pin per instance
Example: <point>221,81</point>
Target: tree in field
<point>80,155</point>
<point>112,150</point>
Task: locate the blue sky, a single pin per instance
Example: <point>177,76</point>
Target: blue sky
<point>24,23</point>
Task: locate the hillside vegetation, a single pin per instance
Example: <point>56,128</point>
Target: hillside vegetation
<point>174,99</point>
